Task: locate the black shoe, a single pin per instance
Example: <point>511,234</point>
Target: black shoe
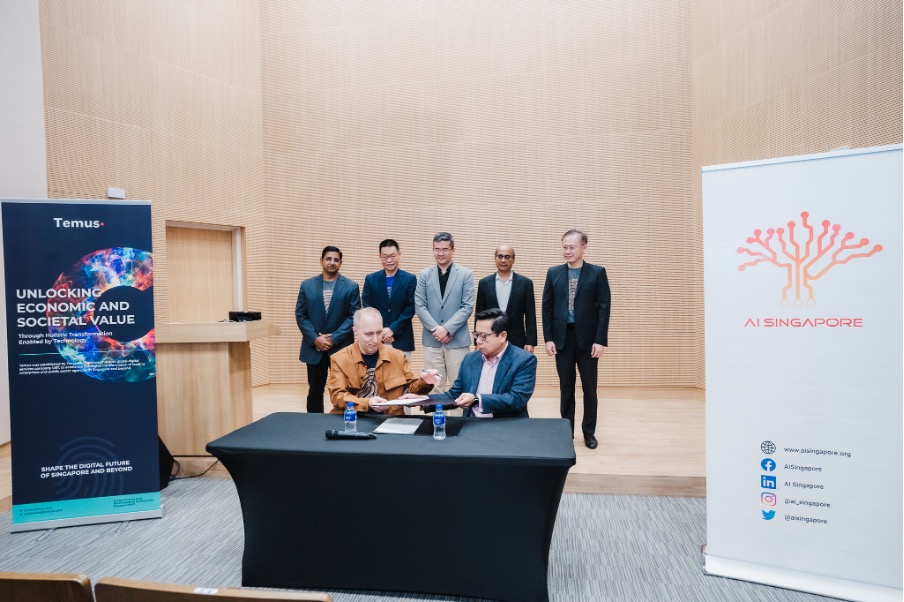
<point>590,441</point>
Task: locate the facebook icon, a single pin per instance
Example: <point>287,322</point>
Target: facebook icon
<point>767,482</point>
<point>768,465</point>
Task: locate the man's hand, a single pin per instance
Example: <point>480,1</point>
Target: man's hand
<point>465,400</point>
<point>529,348</point>
<point>440,333</point>
<point>324,342</point>
<point>431,377</point>
<point>596,351</point>
<point>550,348</point>
<point>377,403</point>
<point>387,336</point>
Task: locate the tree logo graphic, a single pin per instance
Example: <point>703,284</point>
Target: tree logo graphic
<point>805,260</point>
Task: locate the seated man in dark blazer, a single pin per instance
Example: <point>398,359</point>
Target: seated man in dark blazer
<point>497,380</point>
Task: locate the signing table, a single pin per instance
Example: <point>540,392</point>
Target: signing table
<point>472,515</point>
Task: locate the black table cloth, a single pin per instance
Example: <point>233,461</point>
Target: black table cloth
<point>472,515</point>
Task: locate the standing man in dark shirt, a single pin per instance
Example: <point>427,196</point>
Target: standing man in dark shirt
<point>513,294</point>
<point>391,292</point>
<point>576,303</point>
<point>324,314</point>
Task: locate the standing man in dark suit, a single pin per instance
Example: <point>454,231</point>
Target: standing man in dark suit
<point>575,308</point>
<point>391,292</point>
<point>324,313</point>
<point>514,294</point>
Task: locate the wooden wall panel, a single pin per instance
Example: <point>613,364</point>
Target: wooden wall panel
<point>312,123</point>
<point>498,122</point>
<point>161,98</point>
<point>790,77</point>
<point>202,285</point>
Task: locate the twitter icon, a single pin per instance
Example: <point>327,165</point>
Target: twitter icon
<point>768,515</point>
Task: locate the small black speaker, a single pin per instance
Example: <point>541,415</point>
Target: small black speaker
<point>244,316</point>
<point>166,464</point>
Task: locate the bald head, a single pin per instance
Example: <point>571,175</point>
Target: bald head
<point>505,259</point>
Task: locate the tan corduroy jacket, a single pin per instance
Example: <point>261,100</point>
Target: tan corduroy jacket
<point>393,374</point>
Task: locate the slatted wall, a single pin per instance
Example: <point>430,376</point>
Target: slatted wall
<point>777,78</point>
<point>498,122</point>
<point>345,122</point>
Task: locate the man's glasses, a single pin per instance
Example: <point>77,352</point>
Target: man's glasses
<point>504,257</point>
<point>441,251</point>
<point>481,336</point>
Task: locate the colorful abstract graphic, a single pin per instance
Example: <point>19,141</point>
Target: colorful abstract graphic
<point>805,257</point>
<point>81,342</point>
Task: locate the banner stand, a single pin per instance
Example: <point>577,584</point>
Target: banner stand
<point>80,344</point>
<point>803,316</point>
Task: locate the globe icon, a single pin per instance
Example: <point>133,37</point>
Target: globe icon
<point>767,447</point>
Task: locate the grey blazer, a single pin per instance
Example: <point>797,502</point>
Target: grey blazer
<point>451,311</point>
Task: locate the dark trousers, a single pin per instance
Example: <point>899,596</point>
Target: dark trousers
<point>317,375</point>
<point>567,358</point>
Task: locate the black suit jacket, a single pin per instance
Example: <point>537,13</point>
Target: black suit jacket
<point>592,302</point>
<point>522,307</point>
<point>398,310</point>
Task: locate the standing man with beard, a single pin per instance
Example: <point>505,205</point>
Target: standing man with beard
<point>324,312</point>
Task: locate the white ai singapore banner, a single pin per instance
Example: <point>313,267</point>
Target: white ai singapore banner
<point>803,295</point>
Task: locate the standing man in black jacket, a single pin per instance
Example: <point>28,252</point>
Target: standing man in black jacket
<point>391,292</point>
<point>576,303</point>
<point>513,294</point>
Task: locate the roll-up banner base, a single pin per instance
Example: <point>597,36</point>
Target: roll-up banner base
<point>814,584</point>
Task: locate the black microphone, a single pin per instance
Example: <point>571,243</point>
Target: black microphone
<point>334,434</point>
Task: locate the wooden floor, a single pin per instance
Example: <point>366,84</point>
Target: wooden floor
<point>651,441</point>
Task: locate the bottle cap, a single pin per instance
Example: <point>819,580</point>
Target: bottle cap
<point>349,404</point>
<point>439,408</point>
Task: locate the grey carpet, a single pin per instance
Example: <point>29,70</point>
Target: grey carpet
<point>605,548</point>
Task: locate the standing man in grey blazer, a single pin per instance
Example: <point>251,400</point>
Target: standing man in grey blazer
<point>443,301</point>
<point>514,294</point>
<point>324,313</point>
<point>576,303</point>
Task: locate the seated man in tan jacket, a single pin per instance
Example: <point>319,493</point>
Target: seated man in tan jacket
<point>369,372</point>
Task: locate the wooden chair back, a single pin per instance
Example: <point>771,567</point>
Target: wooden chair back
<point>112,589</point>
<point>47,587</point>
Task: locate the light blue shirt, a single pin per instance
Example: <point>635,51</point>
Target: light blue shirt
<point>504,290</point>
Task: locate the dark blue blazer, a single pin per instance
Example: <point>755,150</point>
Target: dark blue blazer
<point>515,379</point>
<point>592,302</point>
<point>397,310</point>
<point>522,307</point>
<point>312,320</point>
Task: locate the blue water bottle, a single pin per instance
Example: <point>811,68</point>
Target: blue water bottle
<point>351,418</point>
<point>439,424</point>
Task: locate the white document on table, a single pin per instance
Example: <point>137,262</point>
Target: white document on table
<point>398,426</point>
<point>410,402</point>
